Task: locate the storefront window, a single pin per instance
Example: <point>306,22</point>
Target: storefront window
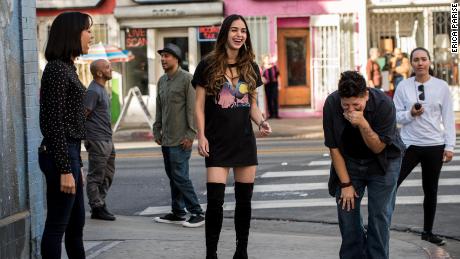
<point>137,69</point>
<point>207,36</point>
<point>100,33</point>
<point>206,47</point>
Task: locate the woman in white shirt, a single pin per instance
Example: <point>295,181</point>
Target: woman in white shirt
<point>424,110</point>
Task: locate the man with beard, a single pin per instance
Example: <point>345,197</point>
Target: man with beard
<point>98,143</point>
<point>174,129</point>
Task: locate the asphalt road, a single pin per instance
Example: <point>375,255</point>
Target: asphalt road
<point>290,185</point>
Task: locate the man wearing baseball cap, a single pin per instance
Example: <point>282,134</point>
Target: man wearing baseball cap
<point>174,129</point>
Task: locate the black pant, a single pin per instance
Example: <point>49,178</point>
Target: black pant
<point>430,158</point>
<point>65,212</point>
<point>271,91</point>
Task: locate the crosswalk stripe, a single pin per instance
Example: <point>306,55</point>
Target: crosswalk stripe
<point>319,162</point>
<point>318,172</point>
<point>305,203</point>
<point>314,172</point>
<point>323,186</point>
<point>328,162</point>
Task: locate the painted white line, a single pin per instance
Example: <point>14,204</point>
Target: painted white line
<point>157,210</point>
<point>102,249</point>
<point>305,203</point>
<point>88,245</point>
<point>323,186</point>
<point>295,173</point>
<point>317,172</point>
<point>442,182</point>
<point>319,162</point>
<point>285,187</point>
<point>328,162</point>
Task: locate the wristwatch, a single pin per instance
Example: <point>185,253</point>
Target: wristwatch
<point>343,185</point>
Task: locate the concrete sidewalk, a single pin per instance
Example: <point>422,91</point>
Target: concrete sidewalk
<point>309,127</point>
<point>139,237</point>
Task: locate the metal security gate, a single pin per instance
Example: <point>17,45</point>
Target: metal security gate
<point>334,49</point>
<point>258,27</point>
<point>325,60</point>
<point>391,30</point>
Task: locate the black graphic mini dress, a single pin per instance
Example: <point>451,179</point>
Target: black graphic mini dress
<point>227,122</point>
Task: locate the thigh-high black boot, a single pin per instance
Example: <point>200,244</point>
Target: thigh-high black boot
<point>243,196</point>
<point>214,217</point>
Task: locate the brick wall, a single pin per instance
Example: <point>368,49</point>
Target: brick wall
<point>21,182</point>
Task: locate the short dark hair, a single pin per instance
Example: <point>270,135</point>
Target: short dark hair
<point>352,84</point>
<point>64,41</point>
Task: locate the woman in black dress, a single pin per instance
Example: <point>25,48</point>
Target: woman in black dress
<point>62,119</point>
<point>226,82</point>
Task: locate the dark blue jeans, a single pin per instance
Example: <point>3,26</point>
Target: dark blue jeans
<point>65,212</point>
<point>381,189</point>
<point>182,192</point>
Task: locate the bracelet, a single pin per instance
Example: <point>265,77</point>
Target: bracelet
<point>344,185</point>
<point>262,122</point>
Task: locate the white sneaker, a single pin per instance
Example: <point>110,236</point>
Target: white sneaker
<point>194,221</point>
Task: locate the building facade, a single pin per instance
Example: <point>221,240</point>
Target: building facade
<point>105,30</point>
<point>21,181</point>
<point>312,42</point>
<point>417,23</point>
<point>147,25</point>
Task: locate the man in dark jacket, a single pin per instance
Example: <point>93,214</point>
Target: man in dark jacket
<point>360,130</point>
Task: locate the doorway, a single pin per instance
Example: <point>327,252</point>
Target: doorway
<point>294,65</point>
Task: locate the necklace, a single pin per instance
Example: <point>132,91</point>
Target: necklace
<point>232,77</point>
<point>231,73</point>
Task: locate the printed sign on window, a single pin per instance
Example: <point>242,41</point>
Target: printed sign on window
<point>136,38</point>
<point>208,33</point>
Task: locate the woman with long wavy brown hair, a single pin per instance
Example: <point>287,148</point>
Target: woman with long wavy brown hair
<point>226,82</point>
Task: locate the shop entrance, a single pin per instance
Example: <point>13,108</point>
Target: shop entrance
<point>294,65</point>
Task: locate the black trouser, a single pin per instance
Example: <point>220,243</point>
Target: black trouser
<point>430,158</point>
<point>65,212</point>
<point>271,91</point>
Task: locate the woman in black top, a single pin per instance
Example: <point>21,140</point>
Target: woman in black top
<point>226,83</point>
<point>62,120</point>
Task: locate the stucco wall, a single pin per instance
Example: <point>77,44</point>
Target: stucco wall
<point>21,183</point>
<point>288,7</point>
